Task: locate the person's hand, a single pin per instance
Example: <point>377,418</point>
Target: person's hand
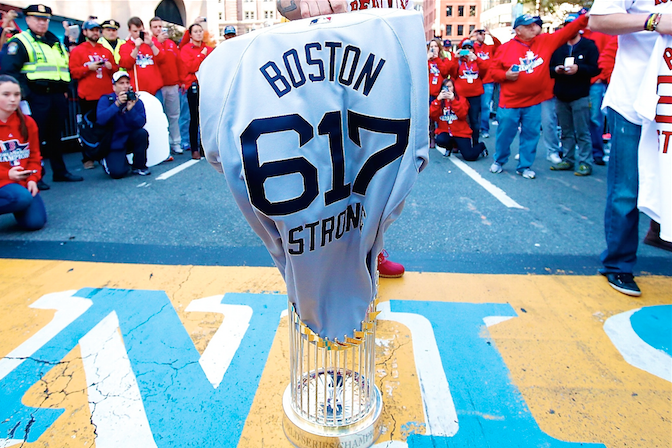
<point>108,65</point>
<point>560,69</point>
<point>138,42</point>
<point>162,37</point>
<point>32,187</point>
<point>443,95</point>
<point>65,25</point>
<point>122,98</point>
<point>130,104</point>
<point>472,56</point>
<point>450,95</point>
<point>430,54</point>
<point>18,174</point>
<point>511,75</point>
<point>572,69</point>
<point>93,66</point>
<point>310,8</point>
<point>148,39</point>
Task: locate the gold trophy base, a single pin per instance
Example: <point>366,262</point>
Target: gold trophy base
<point>304,434</point>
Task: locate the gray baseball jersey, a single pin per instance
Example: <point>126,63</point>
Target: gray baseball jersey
<point>320,126</point>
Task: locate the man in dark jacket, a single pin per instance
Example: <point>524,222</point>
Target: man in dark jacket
<point>127,115</point>
<point>572,66</point>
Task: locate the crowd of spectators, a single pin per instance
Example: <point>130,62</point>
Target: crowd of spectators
<point>534,82</point>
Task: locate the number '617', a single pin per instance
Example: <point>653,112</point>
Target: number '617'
<point>331,126</point>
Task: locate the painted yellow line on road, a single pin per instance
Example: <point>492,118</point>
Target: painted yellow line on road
<point>575,382</point>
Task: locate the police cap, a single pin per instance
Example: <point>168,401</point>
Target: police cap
<point>111,24</point>
<point>38,11</point>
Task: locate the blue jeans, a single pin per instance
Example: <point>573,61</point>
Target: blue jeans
<point>29,211</point>
<point>549,127</point>
<point>621,217</point>
<point>597,91</point>
<point>486,98</point>
<point>184,120</point>
<point>529,119</point>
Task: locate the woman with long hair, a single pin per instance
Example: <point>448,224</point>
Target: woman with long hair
<point>20,160</point>
<point>193,54</point>
<point>449,111</point>
<point>438,67</point>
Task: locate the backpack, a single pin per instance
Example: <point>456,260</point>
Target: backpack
<point>95,138</point>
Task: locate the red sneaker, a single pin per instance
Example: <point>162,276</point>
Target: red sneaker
<point>387,268</point>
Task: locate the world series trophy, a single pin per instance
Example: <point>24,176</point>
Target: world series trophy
<point>320,170</point>
<point>332,398</point>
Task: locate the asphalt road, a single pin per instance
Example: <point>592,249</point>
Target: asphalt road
<point>451,223</point>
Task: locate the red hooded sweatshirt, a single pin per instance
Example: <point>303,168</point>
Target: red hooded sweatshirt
<point>466,75</point>
<point>92,84</point>
<point>18,151</point>
<point>451,117</point>
<point>192,56</point>
<point>534,84</point>
<point>485,55</point>
<point>170,64</point>
<point>601,40</point>
<point>148,71</point>
<point>438,71</point>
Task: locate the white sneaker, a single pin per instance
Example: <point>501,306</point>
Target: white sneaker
<point>517,157</point>
<point>554,158</point>
<point>496,168</point>
<point>527,173</point>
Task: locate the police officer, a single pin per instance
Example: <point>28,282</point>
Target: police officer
<point>40,62</point>
<point>111,39</point>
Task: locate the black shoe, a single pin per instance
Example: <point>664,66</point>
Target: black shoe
<point>624,283</point>
<point>653,238</point>
<point>599,161</point>
<point>42,185</point>
<point>67,177</point>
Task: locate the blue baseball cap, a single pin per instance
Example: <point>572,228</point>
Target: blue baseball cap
<point>571,17</point>
<point>229,30</point>
<point>468,43</point>
<point>527,19</point>
<point>91,24</point>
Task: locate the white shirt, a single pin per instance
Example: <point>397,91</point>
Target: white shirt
<point>320,126</point>
<point>634,51</point>
<point>654,106</point>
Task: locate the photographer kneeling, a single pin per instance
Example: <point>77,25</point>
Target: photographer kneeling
<point>127,115</point>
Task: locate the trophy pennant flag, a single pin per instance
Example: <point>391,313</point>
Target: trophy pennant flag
<point>320,126</point>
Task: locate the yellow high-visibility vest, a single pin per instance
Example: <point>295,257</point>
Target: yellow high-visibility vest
<point>115,51</point>
<point>44,62</point>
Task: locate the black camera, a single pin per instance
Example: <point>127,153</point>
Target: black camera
<point>142,35</point>
<point>131,96</point>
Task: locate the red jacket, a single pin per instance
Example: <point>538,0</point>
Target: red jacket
<point>451,117</point>
<point>170,64</point>
<point>192,56</point>
<point>466,76</point>
<point>438,71</point>
<point>608,59</point>
<point>148,71</point>
<point>534,84</point>
<point>92,84</point>
<point>602,41</point>
<point>485,55</point>
<point>17,151</point>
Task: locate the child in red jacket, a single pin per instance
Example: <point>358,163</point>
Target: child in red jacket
<point>20,160</point>
<point>450,111</point>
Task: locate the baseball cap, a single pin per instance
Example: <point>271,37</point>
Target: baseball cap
<point>468,43</point>
<point>229,30</point>
<point>571,17</point>
<point>110,24</point>
<point>446,43</point>
<point>90,24</point>
<point>38,11</point>
<point>118,75</point>
<point>527,19</point>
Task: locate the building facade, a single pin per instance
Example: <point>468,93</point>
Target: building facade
<point>456,19</point>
